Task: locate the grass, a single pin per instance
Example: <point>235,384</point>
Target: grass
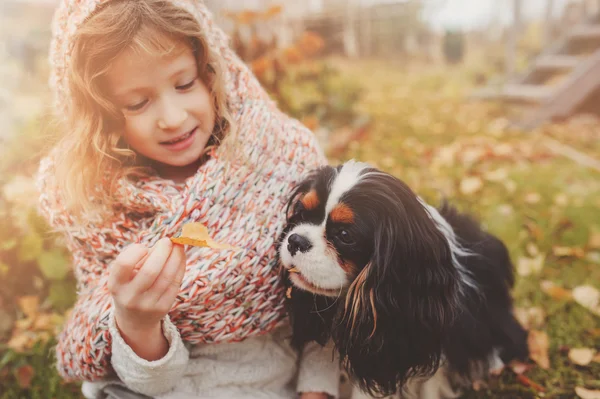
<point>537,200</point>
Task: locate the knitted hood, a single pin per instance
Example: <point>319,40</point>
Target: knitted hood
<point>225,295</point>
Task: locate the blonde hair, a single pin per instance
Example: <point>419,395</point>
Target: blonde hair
<point>92,156</point>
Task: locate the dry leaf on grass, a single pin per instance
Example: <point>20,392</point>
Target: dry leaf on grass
<point>588,297</point>
<point>530,318</point>
<point>587,393</point>
<point>24,375</point>
<point>529,383</point>
<point>529,266</point>
<point>29,305</point>
<point>555,291</point>
<point>581,356</point>
<point>470,185</point>
<point>533,198</point>
<point>196,234</point>
<point>594,241</point>
<point>538,343</point>
<point>519,368</point>
<point>568,251</point>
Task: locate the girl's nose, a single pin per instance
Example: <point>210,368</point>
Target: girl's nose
<point>172,116</point>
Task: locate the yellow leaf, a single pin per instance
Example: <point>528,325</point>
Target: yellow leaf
<point>555,291</point>
<point>470,185</point>
<point>561,199</point>
<point>587,393</point>
<point>497,175</point>
<point>530,317</point>
<point>581,356</point>
<point>533,198</point>
<point>568,251</point>
<point>24,375</point>
<point>594,241</point>
<point>29,305</point>
<point>196,234</point>
<point>20,341</point>
<point>538,343</point>
<point>588,297</point>
<point>532,249</point>
<point>529,266</point>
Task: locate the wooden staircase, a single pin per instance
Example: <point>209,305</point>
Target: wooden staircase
<point>559,80</point>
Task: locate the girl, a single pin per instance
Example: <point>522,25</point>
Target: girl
<point>164,125</point>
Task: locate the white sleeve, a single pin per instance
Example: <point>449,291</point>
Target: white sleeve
<point>149,377</point>
<point>319,370</point>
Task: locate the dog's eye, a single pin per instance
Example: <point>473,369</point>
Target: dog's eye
<point>298,208</point>
<point>344,236</point>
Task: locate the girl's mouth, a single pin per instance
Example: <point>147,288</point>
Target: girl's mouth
<point>181,142</point>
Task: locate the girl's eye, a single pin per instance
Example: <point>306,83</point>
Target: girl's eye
<point>344,236</point>
<point>136,107</point>
<point>186,86</point>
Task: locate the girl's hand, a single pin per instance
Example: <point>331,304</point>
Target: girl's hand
<point>144,284</point>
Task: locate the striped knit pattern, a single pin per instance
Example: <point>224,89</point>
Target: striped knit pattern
<point>226,296</point>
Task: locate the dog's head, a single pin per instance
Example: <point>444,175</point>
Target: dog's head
<point>380,267</point>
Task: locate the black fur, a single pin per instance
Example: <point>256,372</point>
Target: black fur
<point>411,306</point>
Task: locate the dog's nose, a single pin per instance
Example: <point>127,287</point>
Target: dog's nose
<point>297,243</point>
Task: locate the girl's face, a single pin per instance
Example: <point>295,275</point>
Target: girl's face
<point>169,112</point>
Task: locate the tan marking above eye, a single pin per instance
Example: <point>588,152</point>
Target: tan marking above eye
<point>342,213</point>
<point>311,200</point>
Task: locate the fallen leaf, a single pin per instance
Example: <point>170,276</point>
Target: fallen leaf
<point>588,297</point>
<point>533,198</point>
<point>561,199</point>
<point>24,375</point>
<point>497,175</point>
<point>20,341</point>
<point>529,383</point>
<point>29,305</point>
<point>532,249</point>
<point>594,241</point>
<point>568,251</point>
<point>581,356</point>
<point>587,393</point>
<point>196,234</point>
<point>519,367</point>
<point>555,291</point>
<point>528,266</point>
<point>470,185</point>
<point>538,343</point>
<point>530,317</point>
<point>596,358</point>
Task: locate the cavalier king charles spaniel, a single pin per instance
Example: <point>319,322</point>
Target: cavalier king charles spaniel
<point>415,299</point>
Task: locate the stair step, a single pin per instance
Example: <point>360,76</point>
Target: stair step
<point>557,62</point>
<point>585,32</point>
<point>516,92</point>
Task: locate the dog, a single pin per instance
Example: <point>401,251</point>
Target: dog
<point>415,299</point>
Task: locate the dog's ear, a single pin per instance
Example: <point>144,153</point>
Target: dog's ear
<point>311,317</point>
<point>402,304</point>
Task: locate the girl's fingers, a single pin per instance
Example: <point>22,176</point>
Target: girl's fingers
<point>152,267</point>
<point>122,267</point>
<point>168,295</point>
<point>168,276</point>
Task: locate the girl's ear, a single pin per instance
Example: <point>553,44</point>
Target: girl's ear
<point>401,305</point>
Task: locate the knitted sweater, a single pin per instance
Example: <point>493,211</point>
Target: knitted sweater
<point>226,296</point>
